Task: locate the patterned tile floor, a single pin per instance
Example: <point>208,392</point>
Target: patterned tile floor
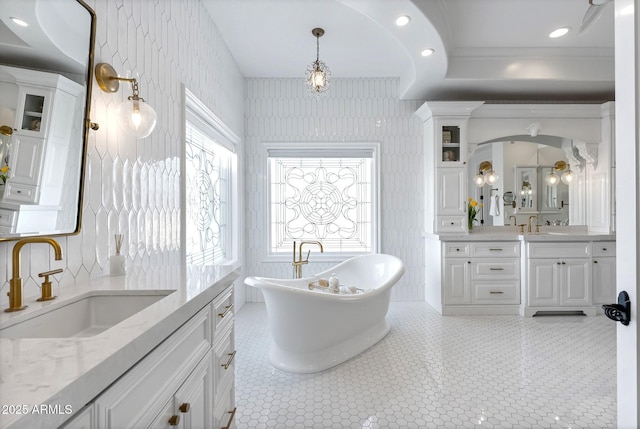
<point>439,372</point>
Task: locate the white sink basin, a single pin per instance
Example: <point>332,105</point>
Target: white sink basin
<point>85,315</point>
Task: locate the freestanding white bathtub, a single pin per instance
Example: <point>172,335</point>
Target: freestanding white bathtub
<point>313,330</point>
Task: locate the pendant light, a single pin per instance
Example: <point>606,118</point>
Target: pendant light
<point>317,75</point>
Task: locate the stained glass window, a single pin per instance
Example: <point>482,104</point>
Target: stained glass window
<point>324,196</point>
<point>209,169</point>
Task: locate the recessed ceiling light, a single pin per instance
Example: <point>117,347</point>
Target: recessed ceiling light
<point>403,20</point>
<point>20,22</point>
<point>427,52</point>
<point>559,32</point>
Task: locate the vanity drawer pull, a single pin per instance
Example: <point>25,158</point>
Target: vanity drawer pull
<point>496,250</point>
<point>174,420</point>
<point>595,262</point>
<point>233,413</point>
<point>496,292</point>
<point>496,269</point>
<point>231,356</point>
<point>604,249</point>
<point>226,311</point>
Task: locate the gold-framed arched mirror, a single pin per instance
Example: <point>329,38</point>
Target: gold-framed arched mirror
<point>46,66</point>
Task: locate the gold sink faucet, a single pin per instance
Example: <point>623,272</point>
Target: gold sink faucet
<point>15,284</point>
<point>299,262</point>
<point>514,220</point>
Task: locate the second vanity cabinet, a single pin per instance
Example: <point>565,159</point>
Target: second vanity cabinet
<point>186,382</point>
<point>558,277</point>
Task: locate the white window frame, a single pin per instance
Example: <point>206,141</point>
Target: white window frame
<point>207,122</point>
<point>333,150</point>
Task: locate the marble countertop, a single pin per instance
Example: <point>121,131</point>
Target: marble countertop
<point>551,234</point>
<point>67,373</point>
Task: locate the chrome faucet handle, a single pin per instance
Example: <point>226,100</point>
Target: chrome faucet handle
<point>46,289</point>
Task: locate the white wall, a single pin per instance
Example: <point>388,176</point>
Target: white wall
<point>281,110</point>
<point>133,186</point>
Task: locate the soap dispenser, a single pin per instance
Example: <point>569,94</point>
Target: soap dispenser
<point>116,262</point>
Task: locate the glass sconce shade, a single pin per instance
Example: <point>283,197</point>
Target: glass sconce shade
<point>491,178</point>
<point>567,177</point>
<point>479,180</point>
<point>552,179</point>
<point>136,117</point>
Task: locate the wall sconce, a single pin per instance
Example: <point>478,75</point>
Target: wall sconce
<point>134,114</point>
<point>552,178</point>
<point>486,175</point>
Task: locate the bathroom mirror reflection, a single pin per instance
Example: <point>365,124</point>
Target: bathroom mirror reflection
<point>522,167</point>
<point>46,61</point>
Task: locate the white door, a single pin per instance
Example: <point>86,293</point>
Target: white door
<point>627,75</point>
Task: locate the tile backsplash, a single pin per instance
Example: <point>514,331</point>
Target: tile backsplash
<point>132,186</point>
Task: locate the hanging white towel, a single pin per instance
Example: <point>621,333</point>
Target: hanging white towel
<point>494,210</point>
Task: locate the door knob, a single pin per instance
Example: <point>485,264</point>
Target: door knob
<point>620,312</point>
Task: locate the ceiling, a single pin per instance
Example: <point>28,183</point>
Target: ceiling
<point>484,49</point>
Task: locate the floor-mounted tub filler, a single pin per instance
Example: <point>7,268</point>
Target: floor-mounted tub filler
<point>314,328</point>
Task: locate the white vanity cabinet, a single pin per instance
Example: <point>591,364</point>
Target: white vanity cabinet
<point>446,150</point>
<point>558,277</point>
<point>186,382</point>
<point>604,272</point>
<point>481,277</point>
<point>451,203</point>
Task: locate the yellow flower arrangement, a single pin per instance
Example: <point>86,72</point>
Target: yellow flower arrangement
<point>472,211</point>
<point>4,174</point>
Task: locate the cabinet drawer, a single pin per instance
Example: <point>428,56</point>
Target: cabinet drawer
<point>7,217</point>
<point>225,408</point>
<point>224,354</point>
<point>456,249</point>
<point>451,223</point>
<point>496,292</point>
<point>140,394</point>
<point>495,268</point>
<point>222,309</point>
<point>603,248</point>
<point>499,249</point>
<point>20,193</point>
<point>559,250</point>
